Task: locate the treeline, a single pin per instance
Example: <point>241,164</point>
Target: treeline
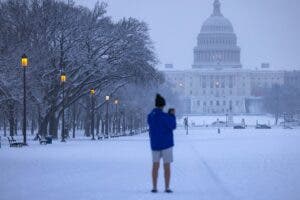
<point>280,100</point>
<point>115,59</point>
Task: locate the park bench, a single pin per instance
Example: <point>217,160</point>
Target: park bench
<point>41,140</point>
<point>99,137</point>
<point>262,126</point>
<point>13,143</point>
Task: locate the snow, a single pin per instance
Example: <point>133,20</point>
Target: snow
<point>245,164</point>
<point>250,120</point>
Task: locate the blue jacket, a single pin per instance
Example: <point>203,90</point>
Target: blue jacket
<point>161,126</point>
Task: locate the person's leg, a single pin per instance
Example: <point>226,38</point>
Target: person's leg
<point>168,159</point>
<point>156,155</point>
<point>155,168</point>
<point>167,173</point>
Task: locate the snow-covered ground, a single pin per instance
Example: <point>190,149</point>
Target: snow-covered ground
<point>234,165</point>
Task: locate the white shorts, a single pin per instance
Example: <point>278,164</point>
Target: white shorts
<point>166,155</point>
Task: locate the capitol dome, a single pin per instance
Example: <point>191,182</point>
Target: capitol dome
<point>217,23</point>
<point>217,43</point>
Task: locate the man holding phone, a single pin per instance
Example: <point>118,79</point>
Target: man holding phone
<point>161,126</point>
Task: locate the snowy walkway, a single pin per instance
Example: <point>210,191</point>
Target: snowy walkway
<point>236,165</point>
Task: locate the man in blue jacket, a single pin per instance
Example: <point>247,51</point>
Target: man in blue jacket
<point>161,126</point>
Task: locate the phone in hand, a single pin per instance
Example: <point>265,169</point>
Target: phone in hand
<point>171,111</point>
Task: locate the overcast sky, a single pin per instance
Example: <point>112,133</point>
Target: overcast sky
<point>267,30</point>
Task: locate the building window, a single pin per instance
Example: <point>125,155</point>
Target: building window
<point>223,83</point>
<point>224,103</point>
<point>217,103</point>
<point>230,82</point>
<point>211,103</point>
<point>204,103</point>
<point>211,82</point>
<point>204,82</point>
<point>198,103</point>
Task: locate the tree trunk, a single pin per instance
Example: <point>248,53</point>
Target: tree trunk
<point>74,115</point>
<point>98,118</point>
<point>131,124</point>
<point>43,125</point>
<point>87,127</point>
<point>4,126</point>
<point>81,124</point>
<point>53,126</point>
<point>124,124</point>
<point>73,125</point>
<point>16,127</point>
<point>32,126</point>
<point>102,126</point>
<point>11,122</point>
<point>68,122</point>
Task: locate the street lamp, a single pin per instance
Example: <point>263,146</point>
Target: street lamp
<point>106,123</point>
<point>63,79</point>
<point>116,102</point>
<point>92,93</point>
<point>24,64</point>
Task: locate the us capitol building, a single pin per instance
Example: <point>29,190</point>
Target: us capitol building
<point>217,82</point>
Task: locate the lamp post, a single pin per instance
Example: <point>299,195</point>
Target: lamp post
<point>123,123</point>
<point>187,125</point>
<point>227,118</point>
<point>63,79</point>
<point>92,92</point>
<point>24,64</point>
<point>106,121</point>
<point>116,102</point>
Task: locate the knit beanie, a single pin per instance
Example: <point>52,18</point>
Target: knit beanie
<point>160,101</point>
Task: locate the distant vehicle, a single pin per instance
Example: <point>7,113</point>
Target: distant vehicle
<point>239,127</point>
<point>262,126</point>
